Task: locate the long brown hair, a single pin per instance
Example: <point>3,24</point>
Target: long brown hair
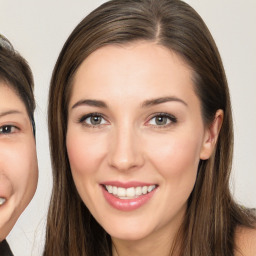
<point>212,215</point>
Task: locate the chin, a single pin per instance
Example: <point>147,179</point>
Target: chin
<point>129,232</point>
<point>128,236</point>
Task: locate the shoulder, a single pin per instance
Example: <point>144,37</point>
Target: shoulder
<point>245,240</point>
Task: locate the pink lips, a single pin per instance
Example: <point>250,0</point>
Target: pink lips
<point>127,204</point>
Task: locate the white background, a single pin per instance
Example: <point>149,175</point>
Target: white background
<point>38,30</point>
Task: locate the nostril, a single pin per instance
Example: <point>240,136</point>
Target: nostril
<point>124,164</point>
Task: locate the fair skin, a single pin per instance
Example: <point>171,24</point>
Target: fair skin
<point>18,161</point>
<point>245,239</point>
<point>134,119</point>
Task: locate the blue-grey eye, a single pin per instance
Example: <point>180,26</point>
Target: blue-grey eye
<point>162,120</point>
<point>159,120</point>
<point>95,120</point>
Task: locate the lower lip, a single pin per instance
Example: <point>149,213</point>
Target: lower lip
<point>127,204</point>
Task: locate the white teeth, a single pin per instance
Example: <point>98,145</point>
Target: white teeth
<point>109,188</point>
<point>138,191</point>
<point>129,193</point>
<point>121,192</point>
<point>144,190</point>
<point>150,188</point>
<point>2,200</point>
<point>114,191</point>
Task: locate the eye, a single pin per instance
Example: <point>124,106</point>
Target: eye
<point>7,129</point>
<point>93,120</point>
<point>162,119</point>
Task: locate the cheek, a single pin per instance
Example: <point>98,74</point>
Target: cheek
<point>175,155</point>
<point>19,165</point>
<point>84,153</point>
<point>176,160</point>
<point>25,171</point>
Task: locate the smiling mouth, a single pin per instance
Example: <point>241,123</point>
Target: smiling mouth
<point>129,193</point>
<point>2,200</point>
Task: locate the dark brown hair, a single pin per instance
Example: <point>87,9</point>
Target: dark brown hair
<point>212,215</point>
<point>16,73</point>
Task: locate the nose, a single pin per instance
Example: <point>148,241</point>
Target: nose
<point>125,151</point>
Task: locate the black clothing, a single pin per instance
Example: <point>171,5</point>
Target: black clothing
<point>5,249</point>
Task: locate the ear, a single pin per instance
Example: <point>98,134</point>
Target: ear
<point>211,135</point>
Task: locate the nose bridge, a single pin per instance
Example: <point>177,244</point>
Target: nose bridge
<point>125,148</point>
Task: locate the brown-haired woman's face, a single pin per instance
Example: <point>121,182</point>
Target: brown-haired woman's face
<point>135,138</point>
<point>18,161</point>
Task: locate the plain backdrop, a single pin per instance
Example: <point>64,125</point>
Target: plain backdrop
<point>38,30</point>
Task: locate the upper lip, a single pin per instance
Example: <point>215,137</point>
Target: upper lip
<point>127,184</point>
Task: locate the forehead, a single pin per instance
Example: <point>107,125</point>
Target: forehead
<point>144,55</point>
<point>9,98</point>
<point>131,66</point>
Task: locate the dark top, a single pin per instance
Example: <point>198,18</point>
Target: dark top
<point>5,249</point>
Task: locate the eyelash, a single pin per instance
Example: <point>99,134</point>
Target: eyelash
<point>172,120</point>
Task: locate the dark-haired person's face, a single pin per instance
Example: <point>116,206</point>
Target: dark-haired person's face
<point>135,138</point>
<point>18,161</point>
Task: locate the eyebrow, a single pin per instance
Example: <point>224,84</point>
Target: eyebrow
<point>147,103</point>
<point>9,112</point>
<point>157,101</point>
<point>92,103</point>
